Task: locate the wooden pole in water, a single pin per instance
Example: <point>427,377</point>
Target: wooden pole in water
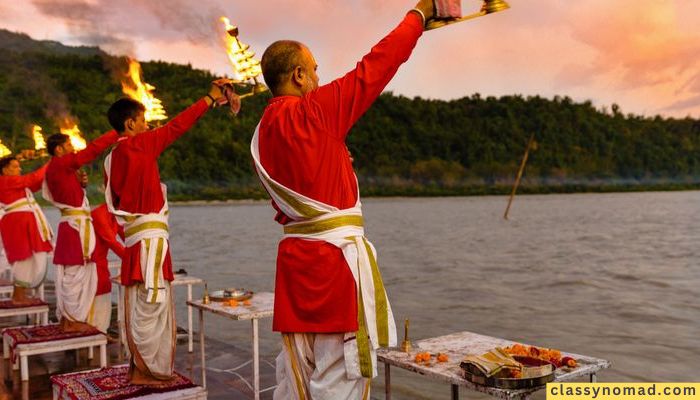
<point>520,174</point>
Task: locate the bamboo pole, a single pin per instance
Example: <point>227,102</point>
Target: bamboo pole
<point>520,174</point>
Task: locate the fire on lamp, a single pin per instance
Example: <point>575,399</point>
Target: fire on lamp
<point>4,151</point>
<point>39,150</point>
<point>39,143</point>
<point>134,87</point>
<point>246,67</point>
<point>70,128</point>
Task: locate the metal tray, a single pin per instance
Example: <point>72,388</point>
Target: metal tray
<point>222,295</point>
<point>474,375</point>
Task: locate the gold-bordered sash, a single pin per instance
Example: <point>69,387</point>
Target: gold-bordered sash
<point>315,227</point>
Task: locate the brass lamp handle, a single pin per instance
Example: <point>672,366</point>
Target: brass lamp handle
<point>489,7</point>
<point>435,23</point>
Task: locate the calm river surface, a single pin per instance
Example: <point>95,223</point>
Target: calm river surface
<point>615,276</point>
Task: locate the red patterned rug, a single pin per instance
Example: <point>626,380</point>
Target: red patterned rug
<point>42,333</point>
<point>111,383</point>
<point>6,304</point>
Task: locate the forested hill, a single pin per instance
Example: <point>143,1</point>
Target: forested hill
<point>401,146</point>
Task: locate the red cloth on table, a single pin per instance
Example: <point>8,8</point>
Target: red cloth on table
<point>302,146</point>
<point>106,231</point>
<point>111,383</point>
<point>20,234</point>
<point>8,304</point>
<point>135,180</point>
<point>62,181</point>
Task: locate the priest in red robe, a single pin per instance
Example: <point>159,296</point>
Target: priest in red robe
<point>138,199</point>
<point>26,235</point>
<point>76,272</point>
<point>330,302</point>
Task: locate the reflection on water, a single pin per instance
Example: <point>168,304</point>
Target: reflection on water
<point>615,276</point>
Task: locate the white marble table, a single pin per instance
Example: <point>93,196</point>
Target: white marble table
<point>261,306</point>
<point>59,392</point>
<point>40,312</point>
<point>457,346</point>
<point>178,281</point>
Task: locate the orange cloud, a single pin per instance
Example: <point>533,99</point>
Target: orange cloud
<point>641,47</point>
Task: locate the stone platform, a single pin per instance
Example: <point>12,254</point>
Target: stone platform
<point>226,365</point>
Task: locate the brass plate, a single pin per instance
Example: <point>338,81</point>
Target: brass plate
<point>219,295</point>
<point>473,374</point>
<point>508,383</point>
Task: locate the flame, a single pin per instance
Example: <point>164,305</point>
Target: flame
<point>39,143</point>
<point>134,87</point>
<point>71,129</point>
<point>4,151</point>
<point>245,67</point>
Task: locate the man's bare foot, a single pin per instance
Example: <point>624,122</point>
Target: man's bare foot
<point>20,297</point>
<point>75,326</point>
<point>139,378</point>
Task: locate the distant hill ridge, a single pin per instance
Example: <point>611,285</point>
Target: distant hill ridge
<point>21,42</point>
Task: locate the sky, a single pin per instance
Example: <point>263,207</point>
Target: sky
<point>643,55</point>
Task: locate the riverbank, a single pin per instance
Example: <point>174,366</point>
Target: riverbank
<point>233,195</point>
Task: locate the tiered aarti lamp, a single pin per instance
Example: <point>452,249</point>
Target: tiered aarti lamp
<point>134,87</point>
<point>246,67</point>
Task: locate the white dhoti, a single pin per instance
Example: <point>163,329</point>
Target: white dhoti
<point>30,272</point>
<point>149,312</point>
<point>150,331</point>
<point>76,286</point>
<point>312,366</point>
<point>314,220</point>
<point>100,314</point>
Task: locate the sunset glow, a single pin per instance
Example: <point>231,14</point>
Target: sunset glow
<point>639,54</point>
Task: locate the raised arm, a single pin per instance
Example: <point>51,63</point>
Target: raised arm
<point>36,178</point>
<point>157,140</point>
<point>31,180</point>
<point>160,138</point>
<point>342,102</point>
<point>93,150</point>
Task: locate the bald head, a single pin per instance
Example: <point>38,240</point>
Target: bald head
<point>288,65</point>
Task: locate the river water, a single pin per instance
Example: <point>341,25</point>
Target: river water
<point>614,276</point>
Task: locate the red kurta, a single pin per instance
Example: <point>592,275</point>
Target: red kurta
<point>302,146</point>
<point>135,179</point>
<point>106,231</point>
<point>65,188</point>
<point>20,234</point>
